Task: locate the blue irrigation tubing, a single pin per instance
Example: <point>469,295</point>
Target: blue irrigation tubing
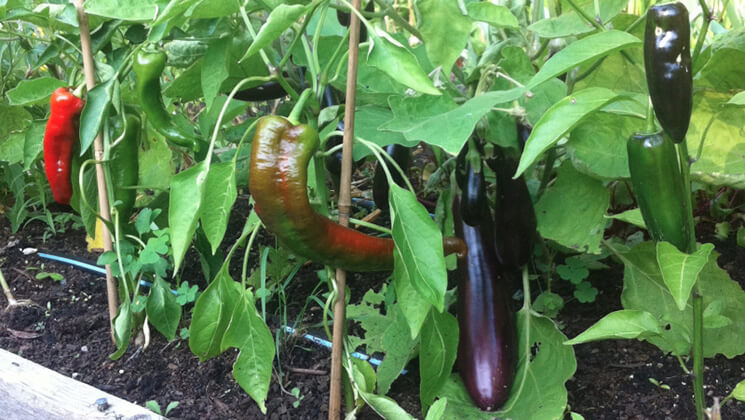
<point>97,269</point>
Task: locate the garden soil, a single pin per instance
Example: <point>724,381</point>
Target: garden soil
<point>68,332</point>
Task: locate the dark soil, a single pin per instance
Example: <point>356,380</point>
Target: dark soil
<point>68,332</point>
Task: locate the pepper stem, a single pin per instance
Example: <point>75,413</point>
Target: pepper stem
<point>698,314</point>
<point>294,116</point>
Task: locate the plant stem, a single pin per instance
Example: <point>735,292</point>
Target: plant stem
<point>650,117</point>
<point>400,20</point>
<point>294,116</point>
<point>698,314</point>
<point>547,170</point>
<point>11,300</point>
<point>704,30</point>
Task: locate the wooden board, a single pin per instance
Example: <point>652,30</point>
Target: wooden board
<point>31,391</point>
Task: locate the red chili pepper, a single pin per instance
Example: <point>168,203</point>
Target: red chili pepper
<point>59,140</point>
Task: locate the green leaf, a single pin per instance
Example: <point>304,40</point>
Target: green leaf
<point>12,118</point>
<point>375,324</point>
<point>451,129</point>
<point>494,15</point>
<point>385,407</point>
<point>11,148</point>
<point>582,51</point>
<point>437,352</point>
<point>571,211</point>
<point>723,70</point>
<point>215,68</point>
<point>572,24</point>
<point>248,332</point>
<point>155,167</point>
<point>281,18</point>
<point>174,8</point>
<point>680,270</point>
<point>96,110</point>
<point>414,307</point>
<point>128,10</point>
<point>737,100</point>
<point>739,392</point>
<point>443,47</point>
<point>220,194</point>
<point>398,345</point>
<point>623,324</point>
<point>34,91</point>
<point>212,313</point>
<point>122,328</point>
<point>633,216</point>
<point>437,410</point>
<point>33,144</point>
<point>560,119</point>
<point>162,309</point>
<point>419,244</point>
<point>598,145</point>
<point>369,122</point>
<point>187,195</point>
<point>539,392</point>
<point>400,64</point>
<point>645,290</point>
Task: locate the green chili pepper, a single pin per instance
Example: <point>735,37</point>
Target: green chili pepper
<point>148,67</point>
<point>658,185</point>
<point>124,165</point>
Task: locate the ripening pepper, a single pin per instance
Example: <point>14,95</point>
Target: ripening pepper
<point>148,67</point>
<point>60,138</point>
<point>658,185</point>
<point>278,180</point>
<point>667,61</point>
<point>124,165</point>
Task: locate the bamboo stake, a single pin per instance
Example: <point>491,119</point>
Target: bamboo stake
<point>103,196</point>
<point>345,202</point>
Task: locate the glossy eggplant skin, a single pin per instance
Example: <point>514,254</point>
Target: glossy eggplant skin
<point>487,346</point>
<point>265,92</point>
<point>402,156</point>
<point>473,205</point>
<point>667,61</point>
<point>345,19</point>
<point>514,217</point>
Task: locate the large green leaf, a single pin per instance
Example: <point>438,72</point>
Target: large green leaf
<point>399,346</point>
<point>187,195</point>
<point>162,309</point>
<point>387,55</point>
<point>34,91</point>
<point>494,15</point>
<point>414,307</point>
<point>437,353</point>
<point>724,69</point>
<point>279,20</point>
<point>572,211</point>
<point>95,111</point>
<point>598,145</point>
<point>582,51</point>
<point>443,46</point>
<point>212,314</point>
<point>249,333</point>
<point>419,244</point>
<point>220,194</point>
<point>129,10</point>
<point>560,119</point>
<point>645,290</point>
<point>572,24</point>
<point>680,270</point>
<point>33,144</point>
<point>623,324</point>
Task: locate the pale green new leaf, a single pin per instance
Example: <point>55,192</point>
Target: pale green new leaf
<point>680,270</point>
<point>494,15</point>
<point>623,324</point>
<point>443,46</point>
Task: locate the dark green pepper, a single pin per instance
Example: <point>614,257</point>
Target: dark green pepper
<point>148,67</point>
<point>124,165</point>
<point>658,185</point>
<point>667,60</point>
